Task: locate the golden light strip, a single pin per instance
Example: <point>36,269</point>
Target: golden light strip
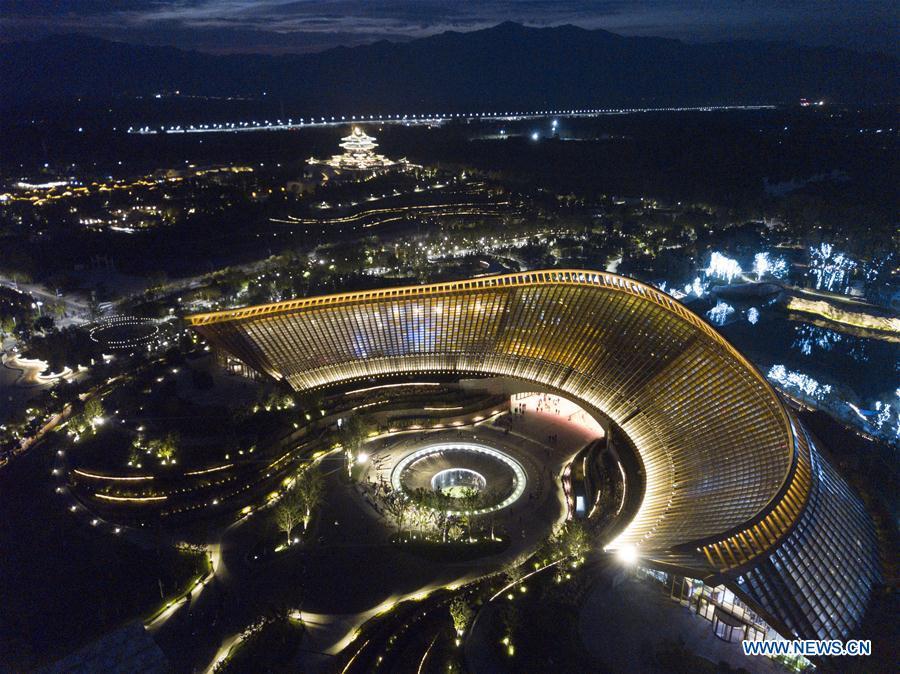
<point>135,499</point>
<point>210,470</point>
<point>117,478</point>
<point>375,388</point>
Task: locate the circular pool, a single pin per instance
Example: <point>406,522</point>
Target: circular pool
<point>482,479</point>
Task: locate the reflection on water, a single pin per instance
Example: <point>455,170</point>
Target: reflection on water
<point>856,378</point>
<point>812,336</point>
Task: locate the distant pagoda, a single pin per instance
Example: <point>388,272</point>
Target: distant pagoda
<point>359,155</point>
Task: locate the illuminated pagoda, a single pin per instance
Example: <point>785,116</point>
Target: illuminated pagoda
<point>359,156</point>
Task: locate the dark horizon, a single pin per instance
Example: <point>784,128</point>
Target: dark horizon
<point>272,27</point>
<point>508,66</point>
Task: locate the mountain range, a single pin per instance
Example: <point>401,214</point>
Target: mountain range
<point>506,67</point>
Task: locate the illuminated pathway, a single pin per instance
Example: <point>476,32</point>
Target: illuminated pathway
<point>349,572</point>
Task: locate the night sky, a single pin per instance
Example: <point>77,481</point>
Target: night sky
<point>312,25</point>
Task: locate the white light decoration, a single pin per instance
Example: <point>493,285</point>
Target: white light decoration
<point>799,382</point>
<point>763,265</point>
<point>723,267</point>
<point>753,315</point>
<point>720,313</point>
<point>883,421</point>
<point>135,332</point>
<point>830,270</point>
<point>697,287</point>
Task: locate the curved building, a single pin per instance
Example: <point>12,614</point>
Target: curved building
<point>734,489</point>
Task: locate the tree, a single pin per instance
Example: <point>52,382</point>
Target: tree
<point>462,614</point>
<point>289,512</point>
<point>312,402</point>
<point>93,409</point>
<point>94,311</point>
<point>167,447</point>
<point>156,283</point>
<point>7,325</point>
<point>513,574</point>
<point>19,276</point>
<point>134,453</point>
<point>397,507</point>
<point>57,309</point>
<point>309,487</point>
<point>574,539</point>
<point>352,432</point>
<point>86,420</point>
<point>509,614</point>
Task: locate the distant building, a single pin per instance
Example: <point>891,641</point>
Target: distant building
<point>359,157</point>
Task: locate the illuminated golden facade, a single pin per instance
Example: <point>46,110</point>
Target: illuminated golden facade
<point>727,469</point>
<point>359,155</point>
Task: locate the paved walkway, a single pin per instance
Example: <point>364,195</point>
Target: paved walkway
<point>350,570</point>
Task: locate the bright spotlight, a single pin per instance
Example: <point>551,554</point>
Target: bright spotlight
<point>535,136</point>
<point>362,457</point>
<point>627,555</point>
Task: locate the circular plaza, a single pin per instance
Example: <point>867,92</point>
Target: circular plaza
<point>471,476</point>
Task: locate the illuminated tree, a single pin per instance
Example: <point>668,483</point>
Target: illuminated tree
<point>7,325</point>
<point>167,448</point>
<point>574,539</point>
<point>397,508</point>
<point>94,309</point>
<point>352,432</point>
<point>462,614</point>
<point>509,614</point>
<point>93,409</point>
<point>57,309</point>
<point>309,487</point>
<point>134,454</point>
<point>289,512</point>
